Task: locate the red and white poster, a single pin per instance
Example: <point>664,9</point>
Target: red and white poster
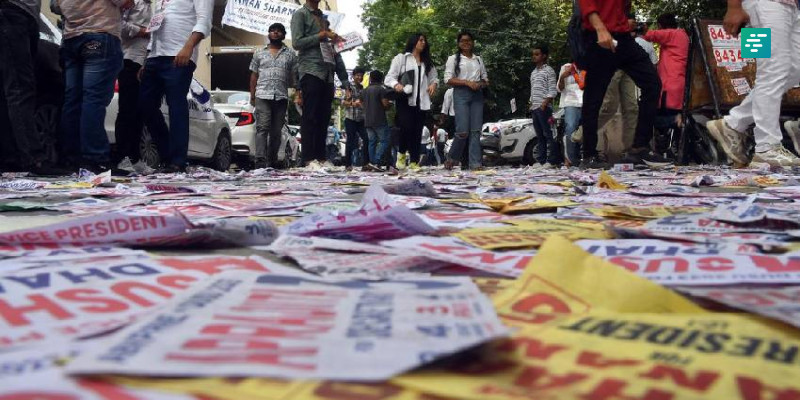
<point>76,298</point>
<point>264,325</point>
<point>779,303</point>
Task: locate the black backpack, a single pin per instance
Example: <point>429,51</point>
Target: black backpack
<point>577,48</point>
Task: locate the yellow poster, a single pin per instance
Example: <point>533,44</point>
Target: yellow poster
<point>643,212</point>
<point>605,181</point>
<point>530,233</point>
<point>605,356</point>
<point>538,204</point>
<point>563,279</point>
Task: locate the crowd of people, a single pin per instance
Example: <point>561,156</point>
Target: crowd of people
<point>151,51</point>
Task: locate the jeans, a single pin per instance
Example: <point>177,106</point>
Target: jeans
<point>774,75</point>
<point>317,99</point>
<point>410,120</point>
<point>91,63</point>
<point>378,139</point>
<point>601,66</point>
<point>19,37</point>
<point>355,132</point>
<point>270,118</point>
<point>546,151</point>
<point>572,120</point>
<point>468,105</point>
<point>161,78</point>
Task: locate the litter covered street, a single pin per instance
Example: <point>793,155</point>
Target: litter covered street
<point>508,283</point>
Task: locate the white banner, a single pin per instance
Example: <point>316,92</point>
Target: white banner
<point>349,41</point>
<point>257,15</point>
<point>654,247</point>
<point>452,250</point>
<point>73,298</point>
<point>250,324</point>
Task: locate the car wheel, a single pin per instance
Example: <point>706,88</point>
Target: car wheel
<point>46,120</point>
<point>529,156</point>
<point>148,151</point>
<point>221,160</point>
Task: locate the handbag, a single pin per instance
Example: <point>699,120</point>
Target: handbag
<point>406,78</point>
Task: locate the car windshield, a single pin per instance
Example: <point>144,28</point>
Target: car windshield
<point>239,98</point>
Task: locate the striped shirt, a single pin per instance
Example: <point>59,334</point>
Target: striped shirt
<point>276,74</point>
<point>543,85</point>
<point>96,16</point>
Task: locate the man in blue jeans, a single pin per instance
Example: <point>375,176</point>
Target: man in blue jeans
<point>177,28</point>
<point>91,54</point>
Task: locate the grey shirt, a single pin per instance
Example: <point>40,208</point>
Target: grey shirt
<point>32,7</point>
<point>276,74</point>
<point>305,39</point>
<point>95,16</point>
<point>133,47</point>
<point>372,99</point>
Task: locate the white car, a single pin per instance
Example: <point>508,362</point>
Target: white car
<point>510,140</point>
<point>209,132</point>
<point>235,105</point>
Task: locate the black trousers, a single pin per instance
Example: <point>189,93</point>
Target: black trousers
<point>317,100</point>
<point>410,120</point>
<point>601,65</point>
<point>355,131</point>
<point>128,126</point>
<point>19,39</point>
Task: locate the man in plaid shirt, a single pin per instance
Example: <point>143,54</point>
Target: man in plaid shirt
<point>354,121</point>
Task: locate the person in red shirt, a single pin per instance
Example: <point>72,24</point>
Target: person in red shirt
<point>674,45</point>
<point>610,47</point>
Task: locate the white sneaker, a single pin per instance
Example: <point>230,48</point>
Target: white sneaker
<point>729,139</point>
<point>793,130</point>
<point>328,165</point>
<point>547,166</point>
<point>314,165</point>
<point>142,168</point>
<point>126,165</point>
<point>777,156</point>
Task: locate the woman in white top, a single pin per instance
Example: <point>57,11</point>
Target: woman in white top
<point>466,72</point>
<point>411,114</point>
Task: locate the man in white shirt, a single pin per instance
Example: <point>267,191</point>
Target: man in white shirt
<point>135,37</point>
<point>176,30</point>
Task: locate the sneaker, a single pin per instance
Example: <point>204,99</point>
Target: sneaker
<point>327,165</point>
<point>46,170</point>
<point>645,156</point>
<point>401,160</point>
<point>548,165</point>
<point>348,168</point>
<point>793,130</point>
<point>593,162</point>
<point>142,168</point>
<point>729,139</point>
<point>777,156</point>
<point>314,165</point>
<point>577,136</point>
<point>392,171</point>
<point>414,167</point>
<point>126,165</point>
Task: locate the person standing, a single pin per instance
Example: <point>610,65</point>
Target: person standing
<point>176,30</point>
<point>128,126</point>
<point>543,91</point>
<point>570,83</point>
<point>272,72</point>
<point>317,63</point>
<point>610,47</point>
<point>674,45</point>
<point>466,72</point>
<point>410,118</point>
<point>375,103</point>
<point>91,54</point>
<point>354,121</point>
<point>774,76</point>
<point>22,148</point>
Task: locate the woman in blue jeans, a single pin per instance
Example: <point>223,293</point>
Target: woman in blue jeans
<point>466,73</point>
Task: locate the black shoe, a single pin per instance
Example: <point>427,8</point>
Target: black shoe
<point>594,162</point>
<point>646,157</point>
<point>172,169</point>
<point>46,170</point>
<point>95,168</point>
